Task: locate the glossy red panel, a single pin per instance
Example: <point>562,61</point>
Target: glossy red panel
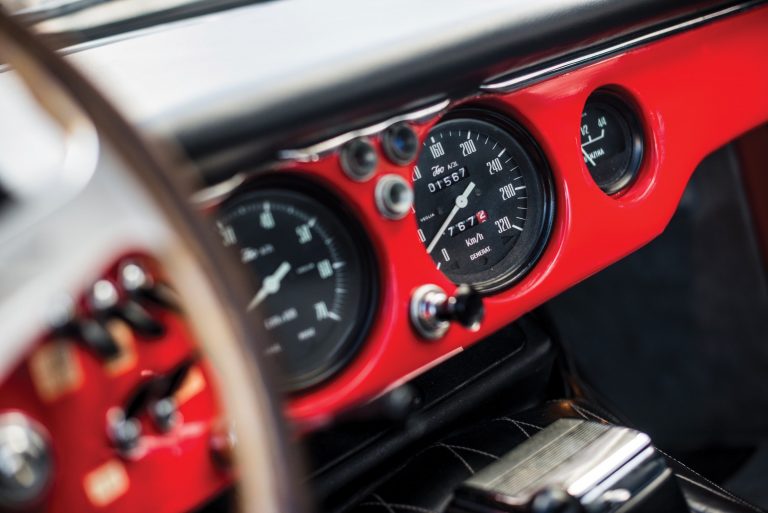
<point>70,395</point>
<point>694,92</point>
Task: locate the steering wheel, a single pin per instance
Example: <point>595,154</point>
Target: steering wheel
<point>119,194</point>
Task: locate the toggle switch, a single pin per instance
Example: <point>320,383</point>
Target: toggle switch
<point>432,310</point>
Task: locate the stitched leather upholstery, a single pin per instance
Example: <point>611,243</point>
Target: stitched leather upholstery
<point>425,483</point>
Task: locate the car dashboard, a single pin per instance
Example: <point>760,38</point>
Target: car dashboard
<point>405,182</point>
<point>566,161</point>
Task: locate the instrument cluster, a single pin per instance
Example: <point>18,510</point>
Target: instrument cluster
<point>371,247</point>
<point>379,253</point>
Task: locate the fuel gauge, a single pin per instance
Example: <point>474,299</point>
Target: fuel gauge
<point>611,141</point>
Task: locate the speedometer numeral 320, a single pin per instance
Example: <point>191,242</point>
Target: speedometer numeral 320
<point>483,199</point>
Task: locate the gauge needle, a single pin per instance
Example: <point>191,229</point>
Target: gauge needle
<point>586,156</point>
<point>591,140</point>
<point>271,285</point>
<point>461,202</point>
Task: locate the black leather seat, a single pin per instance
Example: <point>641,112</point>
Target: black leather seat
<point>425,483</point>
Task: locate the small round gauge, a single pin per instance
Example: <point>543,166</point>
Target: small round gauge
<point>611,141</point>
<point>313,282</point>
<point>483,199</point>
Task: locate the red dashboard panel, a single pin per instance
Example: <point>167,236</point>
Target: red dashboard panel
<point>69,392</point>
<point>694,92</point>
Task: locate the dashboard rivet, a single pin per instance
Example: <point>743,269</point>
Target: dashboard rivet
<point>134,277</point>
<point>103,295</point>
<point>359,159</point>
<point>394,197</point>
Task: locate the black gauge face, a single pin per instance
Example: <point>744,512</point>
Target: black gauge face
<point>482,200</point>
<point>312,286</point>
<point>611,142</point>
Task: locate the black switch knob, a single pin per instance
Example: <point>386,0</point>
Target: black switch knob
<point>98,338</point>
<point>140,320</point>
<point>125,432</point>
<point>432,310</point>
<point>137,281</point>
<point>465,306</point>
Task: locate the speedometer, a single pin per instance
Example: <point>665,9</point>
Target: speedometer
<point>483,199</point>
<point>313,284</point>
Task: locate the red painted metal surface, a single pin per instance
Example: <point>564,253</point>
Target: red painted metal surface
<point>169,472</point>
<point>694,92</point>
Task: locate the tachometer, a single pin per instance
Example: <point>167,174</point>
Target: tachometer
<point>483,200</point>
<point>313,283</point>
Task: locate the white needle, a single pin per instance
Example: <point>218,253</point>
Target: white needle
<point>586,156</point>
<point>271,285</point>
<point>461,202</point>
<point>602,134</point>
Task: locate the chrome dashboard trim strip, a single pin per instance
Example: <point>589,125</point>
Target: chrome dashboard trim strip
<point>509,82</point>
<point>209,197</point>
<point>316,151</point>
